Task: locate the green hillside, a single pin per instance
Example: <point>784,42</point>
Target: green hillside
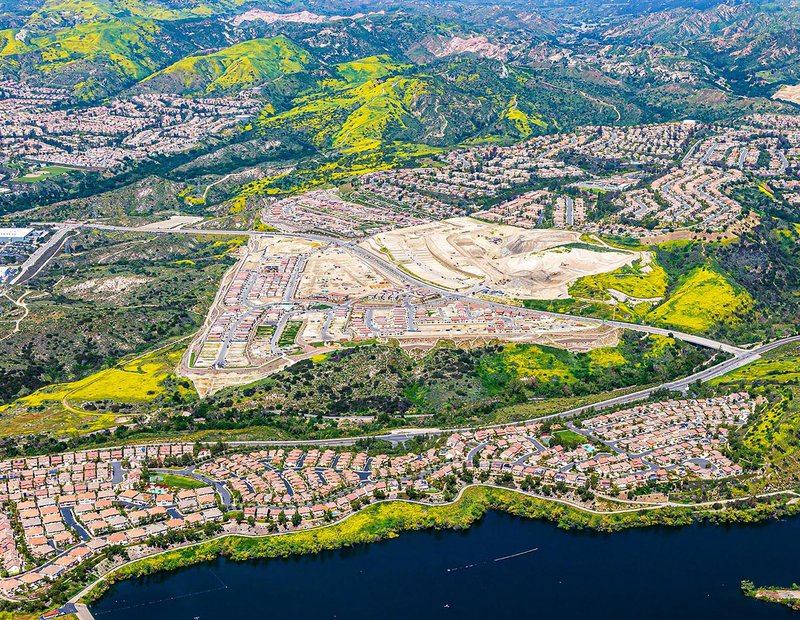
<point>355,119</point>
<point>98,47</point>
<point>371,68</point>
<point>232,69</point>
<point>703,300</point>
<point>378,102</point>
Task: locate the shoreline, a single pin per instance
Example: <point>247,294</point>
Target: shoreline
<point>386,519</point>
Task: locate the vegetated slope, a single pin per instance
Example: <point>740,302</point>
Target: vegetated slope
<point>759,274</point>
<point>451,385</point>
<point>445,387</point>
<point>769,441</point>
<point>742,290</point>
<point>360,118</point>
<point>143,199</point>
<point>114,295</point>
<point>97,47</point>
<point>439,105</point>
<point>635,280</point>
<point>753,45</point>
<point>94,59</point>
<point>704,299</point>
<point>780,367</point>
<point>766,263</point>
<point>369,68</point>
<point>235,68</point>
<point>101,400</point>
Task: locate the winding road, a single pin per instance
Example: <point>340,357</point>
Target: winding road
<point>740,356</point>
<point>387,267</point>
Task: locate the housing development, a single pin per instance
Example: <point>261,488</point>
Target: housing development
<point>37,129</point>
<point>279,280</point>
<point>65,509</point>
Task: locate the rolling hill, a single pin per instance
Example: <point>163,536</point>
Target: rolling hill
<point>233,69</point>
<point>98,47</point>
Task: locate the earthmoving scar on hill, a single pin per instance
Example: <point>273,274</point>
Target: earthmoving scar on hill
<point>413,308</point>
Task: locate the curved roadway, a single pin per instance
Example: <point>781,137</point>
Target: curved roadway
<point>380,263</point>
<point>740,355</point>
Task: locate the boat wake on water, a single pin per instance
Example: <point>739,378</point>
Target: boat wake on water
<point>516,555</point>
<point>222,586</point>
<point>500,559</point>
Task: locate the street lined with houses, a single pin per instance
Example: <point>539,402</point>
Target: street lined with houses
<point>72,507</point>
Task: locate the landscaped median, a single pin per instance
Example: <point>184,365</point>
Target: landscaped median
<point>386,519</point>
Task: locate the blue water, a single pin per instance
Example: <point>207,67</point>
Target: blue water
<point>691,572</point>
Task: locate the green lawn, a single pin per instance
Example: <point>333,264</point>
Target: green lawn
<point>42,174</point>
<point>289,333</point>
<point>177,481</point>
<point>569,439</point>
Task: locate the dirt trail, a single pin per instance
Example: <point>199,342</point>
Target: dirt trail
<point>20,303</point>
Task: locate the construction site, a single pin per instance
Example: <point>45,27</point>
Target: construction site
<point>295,297</point>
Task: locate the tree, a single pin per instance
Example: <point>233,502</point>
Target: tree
<point>296,519</point>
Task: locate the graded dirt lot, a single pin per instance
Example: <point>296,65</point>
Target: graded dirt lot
<point>174,221</point>
<point>334,271</point>
<point>289,298</point>
<point>464,253</point>
<point>788,93</point>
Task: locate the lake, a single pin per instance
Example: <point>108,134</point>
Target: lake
<point>503,567</point>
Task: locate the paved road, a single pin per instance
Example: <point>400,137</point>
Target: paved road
<point>385,266</point>
<point>220,488</point>
<point>42,256</point>
<point>117,474</point>
<point>69,519</point>
<point>401,436</point>
<point>570,203</point>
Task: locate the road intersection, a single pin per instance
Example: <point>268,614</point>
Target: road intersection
<point>739,356</point>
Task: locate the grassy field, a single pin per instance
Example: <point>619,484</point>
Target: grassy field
<point>42,174</point>
<point>67,407</point>
<point>176,481</point>
<point>569,439</point>
<point>703,300</point>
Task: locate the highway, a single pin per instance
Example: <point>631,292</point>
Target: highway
<point>42,256</point>
<point>403,435</point>
<point>387,267</point>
